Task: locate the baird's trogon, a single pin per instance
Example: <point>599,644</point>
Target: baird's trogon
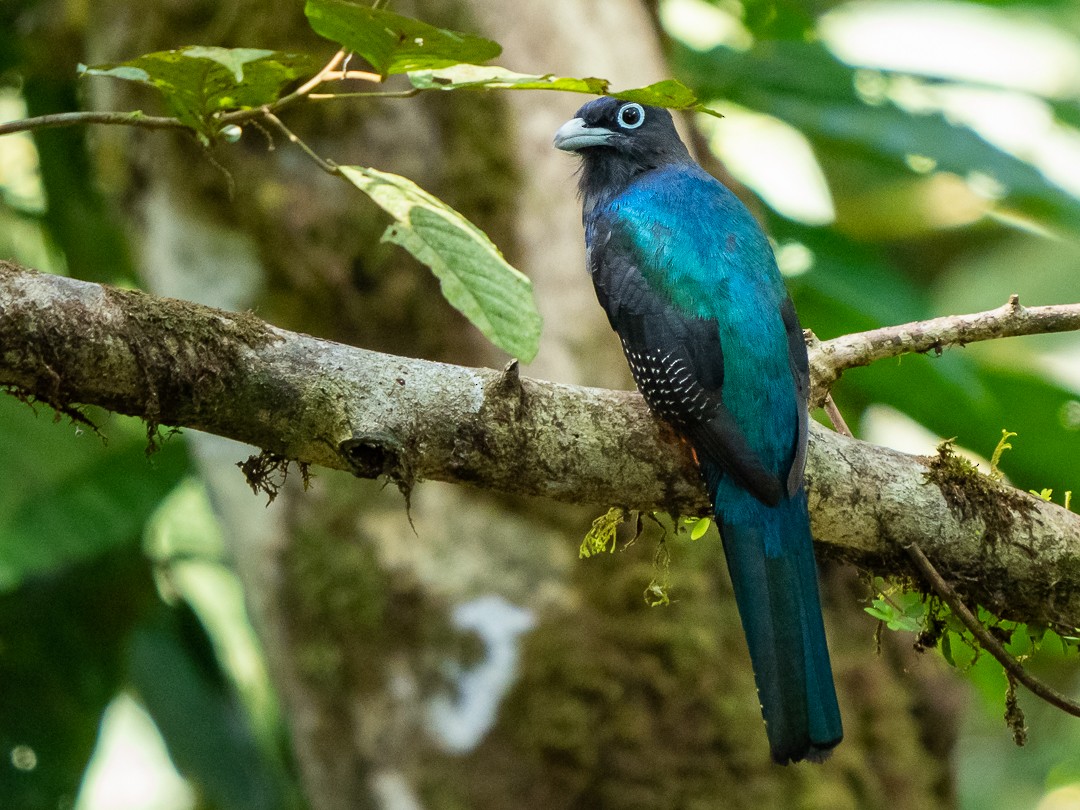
<point>690,284</point>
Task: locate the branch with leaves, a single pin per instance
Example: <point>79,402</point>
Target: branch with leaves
<point>212,92</point>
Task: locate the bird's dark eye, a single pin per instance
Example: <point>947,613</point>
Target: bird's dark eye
<point>632,116</point>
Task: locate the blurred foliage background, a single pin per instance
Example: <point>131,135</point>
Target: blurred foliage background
<point>910,159</point>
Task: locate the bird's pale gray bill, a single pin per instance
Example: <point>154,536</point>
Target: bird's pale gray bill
<point>574,135</point>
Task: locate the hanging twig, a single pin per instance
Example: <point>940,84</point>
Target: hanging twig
<point>326,165</point>
<point>985,638</point>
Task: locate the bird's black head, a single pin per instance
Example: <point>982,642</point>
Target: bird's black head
<point>618,140</point>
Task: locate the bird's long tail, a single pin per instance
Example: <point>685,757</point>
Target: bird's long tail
<point>775,580</point>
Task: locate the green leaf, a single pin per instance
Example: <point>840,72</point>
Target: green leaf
<point>174,669</point>
<point>84,231</point>
<point>915,607</point>
<point>484,77</point>
<point>700,527</point>
<point>953,622</point>
<point>906,617</point>
<point>883,613</point>
<point>79,498</point>
<point>392,43</point>
<point>199,82</point>
<point>671,93</point>
<point>231,59</point>
<point>473,275</point>
<point>64,637</point>
<point>908,625</point>
<point>946,648</point>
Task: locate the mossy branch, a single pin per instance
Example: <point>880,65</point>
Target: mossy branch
<point>68,342</point>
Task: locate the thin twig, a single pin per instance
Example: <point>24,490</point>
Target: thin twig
<point>265,113</point>
<point>362,75</point>
<point>313,82</point>
<point>67,119</point>
<point>985,639</point>
<point>372,94</point>
<point>836,417</point>
<point>326,72</point>
<point>326,165</point>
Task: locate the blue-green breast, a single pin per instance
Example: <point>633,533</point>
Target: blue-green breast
<point>700,250</point>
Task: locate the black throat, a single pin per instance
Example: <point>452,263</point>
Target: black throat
<point>606,171</point>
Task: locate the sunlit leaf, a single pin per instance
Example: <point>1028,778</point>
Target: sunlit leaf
<point>880,611</point>
<point>64,636</point>
<point>903,612</point>
<point>199,81</point>
<point>79,219</point>
<point>671,93</point>
<point>769,69</point>
<point>392,43</point>
<point>180,681</point>
<point>483,77</point>
<point>473,275</point>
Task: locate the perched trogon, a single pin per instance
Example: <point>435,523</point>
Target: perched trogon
<point>690,284</point>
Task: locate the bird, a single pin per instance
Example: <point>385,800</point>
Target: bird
<point>691,287</point>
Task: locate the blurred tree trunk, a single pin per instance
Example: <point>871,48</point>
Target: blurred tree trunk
<point>616,705</point>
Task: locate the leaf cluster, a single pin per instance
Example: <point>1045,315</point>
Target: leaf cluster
<point>214,90</point>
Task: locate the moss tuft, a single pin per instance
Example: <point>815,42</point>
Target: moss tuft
<point>971,494</point>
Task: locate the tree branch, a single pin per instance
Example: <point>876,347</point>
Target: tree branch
<point>832,358</point>
<point>67,119</point>
<point>176,363</point>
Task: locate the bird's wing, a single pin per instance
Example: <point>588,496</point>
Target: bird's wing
<point>677,363</point>
<point>800,370</point>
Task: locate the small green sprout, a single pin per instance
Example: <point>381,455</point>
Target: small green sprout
<point>601,536</point>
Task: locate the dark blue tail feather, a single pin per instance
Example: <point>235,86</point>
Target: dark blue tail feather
<point>776,590</point>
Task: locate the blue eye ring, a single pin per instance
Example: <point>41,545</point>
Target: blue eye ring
<point>631,116</point>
